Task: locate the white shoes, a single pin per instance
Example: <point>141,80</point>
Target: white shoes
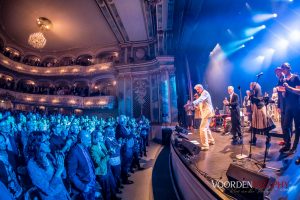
<point>212,143</point>
<point>204,148</point>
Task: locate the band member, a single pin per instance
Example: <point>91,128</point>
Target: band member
<point>197,118</point>
<point>274,109</point>
<point>261,124</point>
<point>206,113</point>
<point>247,105</point>
<point>233,104</point>
<point>189,114</point>
<point>281,99</point>
<point>292,110</point>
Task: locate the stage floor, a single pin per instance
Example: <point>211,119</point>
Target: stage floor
<point>217,159</point>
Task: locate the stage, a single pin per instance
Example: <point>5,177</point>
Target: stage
<point>211,166</point>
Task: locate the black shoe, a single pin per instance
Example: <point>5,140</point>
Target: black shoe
<point>234,142</point>
<point>240,141</point>
<point>141,168</point>
<point>132,171</point>
<point>284,149</point>
<point>292,150</point>
<point>121,186</point>
<point>128,182</point>
<point>145,154</point>
<point>253,142</point>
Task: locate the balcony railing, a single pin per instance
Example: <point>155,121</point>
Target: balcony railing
<point>55,71</point>
<point>59,100</point>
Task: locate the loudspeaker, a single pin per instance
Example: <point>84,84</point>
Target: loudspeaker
<point>190,147</point>
<point>255,185</point>
<point>166,135</point>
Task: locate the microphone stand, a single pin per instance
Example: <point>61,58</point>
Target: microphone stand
<point>241,156</point>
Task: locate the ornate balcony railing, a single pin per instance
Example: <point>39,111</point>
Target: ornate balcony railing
<point>55,71</point>
<point>59,100</point>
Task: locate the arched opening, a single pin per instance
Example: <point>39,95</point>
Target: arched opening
<point>104,57</point>
<point>80,88</point>
<point>7,82</point>
<point>67,61</point>
<point>27,86</point>
<point>32,60</point>
<point>50,62</point>
<point>104,87</point>
<point>84,60</point>
<point>12,53</point>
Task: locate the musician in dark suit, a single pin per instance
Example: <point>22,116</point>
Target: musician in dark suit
<point>233,104</point>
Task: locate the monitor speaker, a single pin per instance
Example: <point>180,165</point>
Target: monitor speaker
<point>190,147</point>
<point>255,185</point>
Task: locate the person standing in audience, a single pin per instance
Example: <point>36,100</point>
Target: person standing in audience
<point>124,135</point>
<point>114,151</point>
<point>46,170</point>
<point>81,170</point>
<point>100,156</point>
<point>7,172</point>
<point>207,112</point>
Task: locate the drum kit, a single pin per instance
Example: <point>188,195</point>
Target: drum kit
<point>221,122</point>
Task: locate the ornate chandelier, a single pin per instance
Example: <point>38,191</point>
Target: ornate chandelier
<point>38,40</point>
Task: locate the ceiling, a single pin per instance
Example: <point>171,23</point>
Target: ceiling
<point>77,24</point>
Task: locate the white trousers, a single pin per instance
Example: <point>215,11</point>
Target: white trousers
<point>205,133</point>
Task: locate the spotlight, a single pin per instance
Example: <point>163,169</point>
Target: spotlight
<point>242,46</point>
<point>258,18</point>
<point>254,30</point>
<point>252,37</point>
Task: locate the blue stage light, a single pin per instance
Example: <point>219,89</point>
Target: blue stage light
<point>251,31</point>
<point>258,18</point>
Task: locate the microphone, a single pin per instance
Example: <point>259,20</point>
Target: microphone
<point>260,74</point>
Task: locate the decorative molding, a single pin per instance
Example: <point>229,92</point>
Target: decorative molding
<point>59,101</point>
<point>110,20</point>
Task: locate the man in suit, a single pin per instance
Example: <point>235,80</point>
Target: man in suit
<point>233,104</point>
<point>206,113</point>
<point>81,171</point>
<point>124,136</point>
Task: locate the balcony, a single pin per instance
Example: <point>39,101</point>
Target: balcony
<point>58,100</point>
<point>74,70</point>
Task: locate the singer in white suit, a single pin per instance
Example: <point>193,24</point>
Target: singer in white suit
<point>206,113</point>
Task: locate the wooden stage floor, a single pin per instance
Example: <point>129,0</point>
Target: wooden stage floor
<point>217,159</point>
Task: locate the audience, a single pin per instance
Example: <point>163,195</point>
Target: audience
<point>68,157</point>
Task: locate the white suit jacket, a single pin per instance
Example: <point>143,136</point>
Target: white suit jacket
<point>205,105</point>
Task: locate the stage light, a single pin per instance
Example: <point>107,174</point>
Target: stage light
<point>295,36</point>
<point>240,42</point>
<point>258,18</point>
<point>251,31</point>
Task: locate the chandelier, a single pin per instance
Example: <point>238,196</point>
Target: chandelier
<point>37,40</point>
